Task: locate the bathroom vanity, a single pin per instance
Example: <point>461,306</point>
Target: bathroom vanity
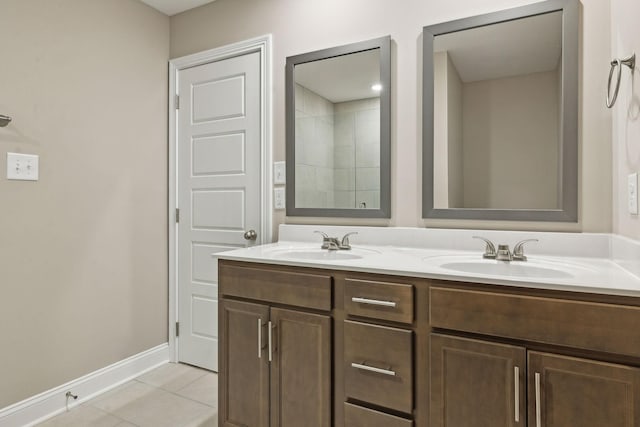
<point>385,339</point>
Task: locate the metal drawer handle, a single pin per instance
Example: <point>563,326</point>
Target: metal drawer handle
<point>373,369</point>
<point>538,409</point>
<point>259,338</point>
<point>373,302</point>
<point>516,393</point>
<point>270,341</point>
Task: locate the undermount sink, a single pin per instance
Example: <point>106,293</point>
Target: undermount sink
<point>321,254</point>
<point>476,264</point>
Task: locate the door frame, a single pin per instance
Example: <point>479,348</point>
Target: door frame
<point>260,44</point>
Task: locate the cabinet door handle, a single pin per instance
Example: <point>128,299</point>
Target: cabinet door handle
<point>259,338</point>
<point>373,369</point>
<point>516,392</point>
<point>538,409</point>
<point>270,342</point>
<point>373,302</point>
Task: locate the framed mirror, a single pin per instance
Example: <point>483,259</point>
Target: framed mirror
<point>338,104</point>
<point>500,115</point>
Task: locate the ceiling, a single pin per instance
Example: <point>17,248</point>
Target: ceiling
<point>343,78</point>
<point>512,48</point>
<point>173,7</point>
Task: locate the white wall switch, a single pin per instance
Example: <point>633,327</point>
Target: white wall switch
<point>279,173</point>
<point>278,198</point>
<point>632,194</point>
<point>22,166</point>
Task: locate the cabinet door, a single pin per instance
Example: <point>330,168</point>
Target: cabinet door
<point>476,383</point>
<point>566,391</point>
<point>244,365</point>
<point>301,369</point>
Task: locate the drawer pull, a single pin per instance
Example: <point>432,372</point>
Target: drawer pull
<point>516,393</point>
<point>538,409</point>
<point>270,336</point>
<point>259,338</point>
<point>373,369</point>
<point>373,302</point>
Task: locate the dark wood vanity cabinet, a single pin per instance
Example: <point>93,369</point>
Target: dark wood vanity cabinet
<point>275,360</point>
<point>479,383</point>
<point>244,367</point>
<point>312,347</point>
<point>378,378</point>
<point>476,383</point>
<point>568,391</point>
<point>482,382</point>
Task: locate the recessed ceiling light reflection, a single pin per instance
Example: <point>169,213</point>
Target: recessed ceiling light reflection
<point>376,87</point>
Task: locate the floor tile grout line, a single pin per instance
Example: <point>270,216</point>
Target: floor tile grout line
<point>196,379</point>
<point>205,372</point>
<point>193,400</point>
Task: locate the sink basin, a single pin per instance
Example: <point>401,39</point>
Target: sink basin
<point>321,254</point>
<point>507,269</point>
<point>529,269</point>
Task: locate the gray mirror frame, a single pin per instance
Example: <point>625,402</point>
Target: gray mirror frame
<point>384,44</point>
<point>569,161</point>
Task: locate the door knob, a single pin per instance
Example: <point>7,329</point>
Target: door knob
<point>250,235</point>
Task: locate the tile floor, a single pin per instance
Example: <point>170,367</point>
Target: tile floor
<point>173,395</point>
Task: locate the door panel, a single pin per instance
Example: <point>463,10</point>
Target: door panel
<point>473,383</point>
<point>301,369</point>
<point>585,393</point>
<point>219,155</point>
<point>204,312</point>
<point>244,377</point>
<point>218,189</point>
<point>218,210</point>
<point>231,89</point>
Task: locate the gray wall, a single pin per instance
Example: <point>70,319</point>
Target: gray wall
<point>300,26</point>
<point>83,258</point>
<point>510,146</point>
<point>625,38</point>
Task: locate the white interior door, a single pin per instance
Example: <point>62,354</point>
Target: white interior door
<point>218,189</point>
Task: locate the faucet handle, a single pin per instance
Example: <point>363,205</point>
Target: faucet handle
<point>324,235</point>
<point>325,239</point>
<point>490,249</point>
<point>330,243</point>
<point>518,249</point>
<point>344,244</point>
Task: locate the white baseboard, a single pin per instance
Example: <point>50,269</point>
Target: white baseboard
<point>53,402</point>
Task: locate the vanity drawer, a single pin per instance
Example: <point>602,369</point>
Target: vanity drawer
<point>357,416</point>
<point>379,300</point>
<point>379,365</point>
<point>585,325</point>
<point>308,290</point>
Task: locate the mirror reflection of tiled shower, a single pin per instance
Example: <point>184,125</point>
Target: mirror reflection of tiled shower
<point>338,152</point>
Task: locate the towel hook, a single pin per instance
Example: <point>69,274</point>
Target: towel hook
<point>4,120</point>
<point>629,62</point>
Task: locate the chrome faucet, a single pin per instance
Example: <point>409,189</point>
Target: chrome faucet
<point>490,249</point>
<point>518,251</point>
<point>503,253</point>
<point>333,243</point>
<point>329,243</point>
<point>344,244</point>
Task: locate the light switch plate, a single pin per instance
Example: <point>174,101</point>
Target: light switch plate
<point>632,194</point>
<point>279,173</point>
<point>23,167</point>
<point>278,198</point>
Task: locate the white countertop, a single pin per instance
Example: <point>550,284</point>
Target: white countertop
<point>594,271</point>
